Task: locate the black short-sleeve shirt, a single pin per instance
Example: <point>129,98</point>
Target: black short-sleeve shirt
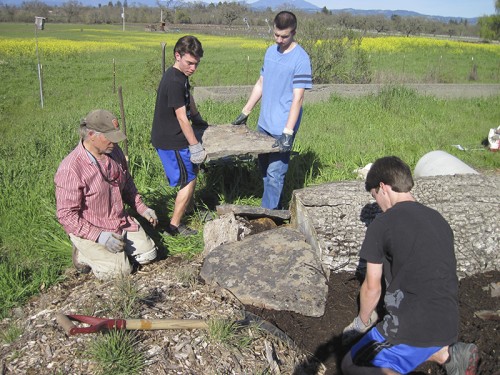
<point>415,245</point>
<point>173,93</point>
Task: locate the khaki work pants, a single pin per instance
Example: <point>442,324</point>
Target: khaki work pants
<point>105,264</point>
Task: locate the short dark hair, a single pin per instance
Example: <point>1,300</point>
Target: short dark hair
<point>392,171</point>
<point>189,44</point>
<point>285,20</point>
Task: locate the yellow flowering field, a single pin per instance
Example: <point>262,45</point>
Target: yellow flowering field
<point>404,44</point>
<point>106,40</point>
<point>56,47</point>
<point>239,58</point>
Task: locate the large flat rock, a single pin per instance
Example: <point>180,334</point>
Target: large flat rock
<point>226,142</point>
<point>275,269</point>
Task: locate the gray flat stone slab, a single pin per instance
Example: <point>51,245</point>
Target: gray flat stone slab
<point>233,141</point>
<point>252,211</point>
<point>275,269</point>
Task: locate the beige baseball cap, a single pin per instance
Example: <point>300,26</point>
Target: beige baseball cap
<point>104,122</point>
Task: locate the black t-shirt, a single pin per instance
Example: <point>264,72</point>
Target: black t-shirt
<point>173,93</point>
<point>415,245</point>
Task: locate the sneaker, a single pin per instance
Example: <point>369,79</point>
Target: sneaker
<point>463,359</point>
<point>80,267</point>
<point>181,230</point>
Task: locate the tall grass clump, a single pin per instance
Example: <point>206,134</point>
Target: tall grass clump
<point>125,299</point>
<point>11,333</point>
<point>116,352</point>
<point>227,333</point>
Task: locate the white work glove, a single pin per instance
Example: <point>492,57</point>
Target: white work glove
<point>357,328</point>
<point>150,215</point>
<point>198,154</point>
<point>113,242</point>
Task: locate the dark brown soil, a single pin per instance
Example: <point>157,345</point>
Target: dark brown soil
<point>321,337</point>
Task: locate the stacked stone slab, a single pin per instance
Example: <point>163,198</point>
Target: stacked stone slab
<point>334,218</point>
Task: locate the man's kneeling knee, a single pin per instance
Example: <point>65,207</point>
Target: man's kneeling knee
<point>146,257</point>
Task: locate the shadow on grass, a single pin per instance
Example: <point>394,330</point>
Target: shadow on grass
<point>241,180</point>
<point>303,167</point>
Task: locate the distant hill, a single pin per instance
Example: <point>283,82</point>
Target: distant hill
<point>291,4</point>
<point>308,7</point>
<point>401,13</point>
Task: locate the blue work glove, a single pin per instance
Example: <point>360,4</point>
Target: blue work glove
<point>113,242</point>
<point>197,120</point>
<point>240,120</point>
<point>284,142</point>
<point>198,153</point>
<point>150,215</point>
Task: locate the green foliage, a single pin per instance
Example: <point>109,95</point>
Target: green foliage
<point>125,299</point>
<point>234,180</point>
<point>336,54</point>
<point>228,333</point>
<point>242,19</point>
<point>116,353</point>
<point>185,246</point>
<point>11,334</point>
<point>187,276</point>
<point>490,27</point>
<point>151,74</point>
<point>182,17</point>
<point>22,276</point>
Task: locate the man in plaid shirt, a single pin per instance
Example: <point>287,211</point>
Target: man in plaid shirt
<point>92,186</point>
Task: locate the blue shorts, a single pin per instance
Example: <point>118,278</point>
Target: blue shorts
<point>178,167</point>
<point>374,351</point>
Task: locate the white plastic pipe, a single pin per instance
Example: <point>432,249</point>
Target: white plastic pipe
<point>439,163</point>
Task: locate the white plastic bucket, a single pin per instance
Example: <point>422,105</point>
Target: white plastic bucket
<point>439,163</point>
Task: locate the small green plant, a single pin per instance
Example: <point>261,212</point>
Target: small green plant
<point>221,331</point>
<point>126,298</point>
<point>11,334</point>
<point>187,276</point>
<point>228,333</point>
<point>116,352</point>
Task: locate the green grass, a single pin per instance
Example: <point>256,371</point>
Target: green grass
<point>116,352</point>
<point>11,334</point>
<point>335,138</point>
<point>228,333</point>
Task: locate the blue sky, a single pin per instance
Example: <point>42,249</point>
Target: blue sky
<point>452,8</point>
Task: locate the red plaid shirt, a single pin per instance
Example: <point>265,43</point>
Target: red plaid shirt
<point>90,198</point>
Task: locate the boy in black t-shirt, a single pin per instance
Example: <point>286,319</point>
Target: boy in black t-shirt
<point>411,246</point>
<point>172,134</point>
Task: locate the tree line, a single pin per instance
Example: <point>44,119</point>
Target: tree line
<point>235,14</point>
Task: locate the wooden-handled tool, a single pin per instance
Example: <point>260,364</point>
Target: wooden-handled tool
<point>102,324</point>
